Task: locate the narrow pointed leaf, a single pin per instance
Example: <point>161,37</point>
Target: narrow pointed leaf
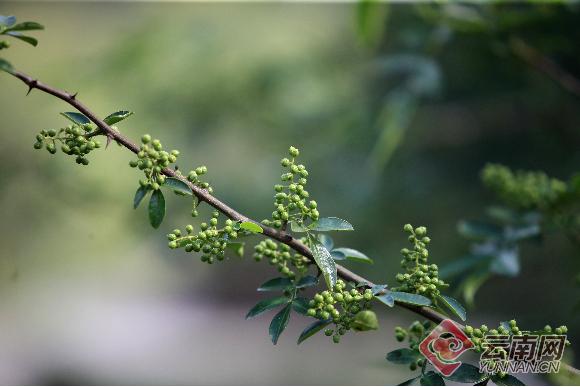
<point>403,356</point>
<point>113,118</point>
<point>376,289</point>
<point>432,379</point>
<point>279,283</point>
<point>466,373</point>
<point>279,323</point>
<point>300,305</point>
<point>178,186</point>
<point>454,306</point>
<point>307,281</point>
<point>252,227</point>
<point>410,298</point>
<point>24,38</point>
<point>26,26</point>
<point>408,382</point>
<point>139,195</point>
<point>7,21</point>
<point>386,299</point>
<point>331,224</point>
<point>6,66</point>
<point>353,255</point>
<point>337,255</point>
<point>312,329</point>
<point>266,305</point>
<point>77,118</point>
<point>236,247</point>
<point>325,263</point>
<point>156,208</point>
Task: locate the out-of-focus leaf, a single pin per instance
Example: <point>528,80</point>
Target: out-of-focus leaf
<point>408,382</point>
<point>6,66</point>
<point>236,247</point>
<point>279,323</point>
<point>326,241</point>
<point>26,26</point>
<point>479,230</point>
<point>312,329</point>
<point>463,264</point>
<point>7,21</point>
<point>403,356</point>
<point>466,373</point>
<point>372,17</point>
<point>508,380</point>
<point>24,38</point>
<point>365,320</point>
<point>337,255</point>
<point>471,284</point>
<point>432,379</point>
<point>507,262</point>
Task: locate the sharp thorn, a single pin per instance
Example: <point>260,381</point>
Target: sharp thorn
<point>73,96</point>
<point>31,86</point>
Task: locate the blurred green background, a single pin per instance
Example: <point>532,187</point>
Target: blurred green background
<point>395,108</point>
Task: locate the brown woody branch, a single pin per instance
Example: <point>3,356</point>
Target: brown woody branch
<point>203,195</point>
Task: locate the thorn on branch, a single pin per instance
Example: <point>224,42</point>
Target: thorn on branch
<point>31,85</point>
<point>73,96</point>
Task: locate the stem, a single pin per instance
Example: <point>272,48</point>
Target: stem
<point>203,195</point>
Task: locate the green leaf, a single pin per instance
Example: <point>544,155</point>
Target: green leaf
<point>7,21</point>
<point>236,247</point>
<point>266,305</point>
<point>312,329</point>
<point>479,230</point>
<point>408,382</point>
<point>330,224</point>
<point>6,66</point>
<point>24,38</point>
<point>337,255</point>
<point>252,227</point>
<point>507,380</point>
<point>471,285</point>
<point>300,305</point>
<point>139,195</point>
<point>506,262</point>
<point>462,264</point>
<point>279,323</point>
<point>295,227</point>
<point>325,262</point>
<point>279,283</point>
<point>483,382</point>
<point>326,241</point>
<point>365,320</point>
<point>432,379</point>
<point>307,281</point>
<point>386,299</point>
<point>377,288</point>
<point>77,118</point>
<point>113,118</point>
<point>410,298</point>
<point>466,373</point>
<point>403,356</point>
<point>178,186</point>
<point>156,208</point>
<point>26,26</point>
<point>454,306</point>
<point>353,255</point>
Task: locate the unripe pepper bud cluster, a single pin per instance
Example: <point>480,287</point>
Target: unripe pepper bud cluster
<point>291,198</point>
<point>73,138</point>
<point>420,277</point>
<point>211,241</point>
<point>342,306</point>
<point>415,334</point>
<point>151,159</point>
<point>194,177</point>
<point>279,254</point>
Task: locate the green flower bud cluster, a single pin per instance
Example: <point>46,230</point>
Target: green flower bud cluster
<point>523,189</point>
<point>194,177</point>
<point>73,139</point>
<point>291,198</point>
<point>420,277</point>
<point>151,159</point>
<point>414,334</point>
<point>279,254</point>
<point>211,241</point>
<point>478,335</point>
<point>341,306</point>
